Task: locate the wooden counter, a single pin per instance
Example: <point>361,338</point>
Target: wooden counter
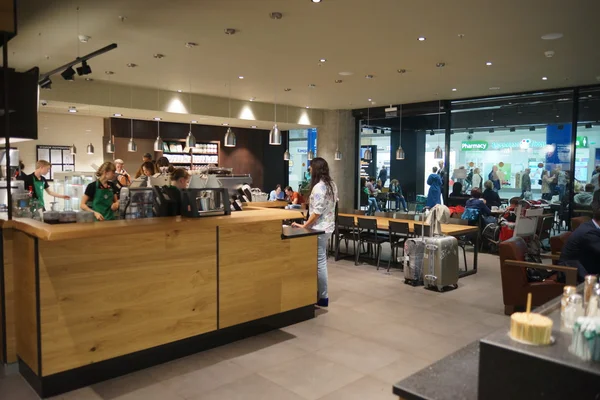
<point>8,348</point>
<point>98,300</point>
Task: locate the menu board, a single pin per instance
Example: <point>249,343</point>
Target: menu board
<point>59,157</point>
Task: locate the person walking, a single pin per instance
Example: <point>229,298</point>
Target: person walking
<point>434,196</point>
<point>323,198</point>
<point>526,184</point>
<point>493,176</point>
<point>477,180</point>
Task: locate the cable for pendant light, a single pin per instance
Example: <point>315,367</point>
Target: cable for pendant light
<point>310,154</point>
<point>275,134</point>
<point>190,140</point>
<point>438,153</point>
<point>90,147</point>
<point>158,142</point>
<point>400,155</point>
<point>286,155</point>
<point>230,138</point>
<point>338,154</point>
<point>110,146</point>
<point>368,156</point>
<point>131,146</point>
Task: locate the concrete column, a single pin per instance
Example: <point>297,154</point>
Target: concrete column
<point>342,172</point>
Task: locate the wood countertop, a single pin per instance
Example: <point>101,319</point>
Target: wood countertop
<point>119,228</point>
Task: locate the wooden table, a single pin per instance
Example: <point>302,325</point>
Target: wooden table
<point>447,229</point>
<point>267,204</point>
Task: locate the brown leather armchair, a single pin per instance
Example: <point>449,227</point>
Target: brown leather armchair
<point>575,222</point>
<point>515,285</point>
<point>558,242</point>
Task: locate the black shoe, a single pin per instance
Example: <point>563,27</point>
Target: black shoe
<point>324,302</point>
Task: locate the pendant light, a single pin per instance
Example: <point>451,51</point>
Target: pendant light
<point>286,155</point>
<point>90,149</point>
<point>275,134</point>
<point>338,154</point>
<point>230,139</point>
<point>73,150</point>
<point>400,151</point>
<point>190,140</point>
<point>438,153</point>
<point>131,146</point>
<point>310,155</point>
<point>368,156</point>
<point>110,146</point>
<point>158,142</point>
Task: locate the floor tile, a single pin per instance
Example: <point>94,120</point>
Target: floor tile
<point>365,388</point>
<point>405,366</point>
<point>253,387</point>
<point>311,376</point>
<point>15,387</point>
<point>312,337</point>
<point>359,354</point>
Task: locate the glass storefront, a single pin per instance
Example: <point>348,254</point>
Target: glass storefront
<point>301,141</point>
<point>587,149</point>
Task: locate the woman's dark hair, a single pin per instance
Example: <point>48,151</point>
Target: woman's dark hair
<point>179,173</point>
<point>476,193</point>
<point>320,172</point>
<point>149,165</point>
<point>457,188</point>
<point>164,162</point>
<point>288,189</point>
<point>363,181</point>
<point>514,201</point>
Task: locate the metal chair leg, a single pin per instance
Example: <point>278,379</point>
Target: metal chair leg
<point>378,249</point>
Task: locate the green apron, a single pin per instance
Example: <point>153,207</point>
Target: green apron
<point>103,200</point>
<point>38,187</point>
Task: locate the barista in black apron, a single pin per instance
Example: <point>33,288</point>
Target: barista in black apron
<point>102,194</point>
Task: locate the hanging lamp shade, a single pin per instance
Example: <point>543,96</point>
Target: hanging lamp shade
<point>438,153</point>
<point>400,153</point>
<point>275,136</point>
<point>310,155</point>
<point>338,155</point>
<point>90,149</point>
<point>190,140</point>
<point>230,139</point>
<point>110,147</point>
<point>368,155</point>
<point>158,144</point>
<point>287,156</point>
<point>131,146</point>
<point>73,150</point>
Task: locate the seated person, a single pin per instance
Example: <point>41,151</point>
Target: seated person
<point>477,203</point>
<point>295,199</point>
<point>276,194</point>
<point>396,193</point>
<point>584,199</point>
<point>457,190</point>
<point>489,195</point>
<point>582,249</point>
<point>510,215</point>
<point>372,193</point>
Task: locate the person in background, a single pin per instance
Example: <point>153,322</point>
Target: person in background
<point>596,178</point>
<point>561,181</point>
<point>546,179</point>
<point>145,158</point>
<point>526,183</point>
<point>493,176</point>
<point>383,175</point>
<point>276,194</point>
<point>396,193</point>
<point>148,169</point>
<point>323,198</point>
<point>372,193</point>
<point>441,171</point>
<point>457,189</point>
<point>510,214</point>
<point>163,166</point>
<point>582,249</point>
<point>102,193</point>
<point>434,196</point>
<point>584,199</point>
<point>477,180</point>
<point>379,185</point>
<point>490,195</point>
<point>123,178</point>
<point>476,202</point>
<point>293,197</point>
<point>20,174</point>
<point>38,183</point>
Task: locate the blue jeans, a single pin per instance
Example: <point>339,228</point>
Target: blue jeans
<point>373,206</point>
<point>322,265</point>
<point>400,200</point>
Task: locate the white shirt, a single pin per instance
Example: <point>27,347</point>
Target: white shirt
<point>324,205</point>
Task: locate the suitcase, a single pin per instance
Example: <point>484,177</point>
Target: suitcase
<point>414,251</point>
<point>440,263</point>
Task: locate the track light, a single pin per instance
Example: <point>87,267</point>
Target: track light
<point>46,83</point>
<point>532,128</point>
<point>85,69</point>
<point>68,74</point>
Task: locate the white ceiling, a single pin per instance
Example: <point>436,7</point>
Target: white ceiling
<point>375,37</point>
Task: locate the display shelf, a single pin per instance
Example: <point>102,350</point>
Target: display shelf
<point>188,153</point>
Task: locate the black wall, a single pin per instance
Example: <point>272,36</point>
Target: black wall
<point>409,171</point>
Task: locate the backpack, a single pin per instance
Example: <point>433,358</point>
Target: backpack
<point>470,214</point>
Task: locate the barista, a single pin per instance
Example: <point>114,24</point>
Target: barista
<point>102,193</point>
<point>38,183</point>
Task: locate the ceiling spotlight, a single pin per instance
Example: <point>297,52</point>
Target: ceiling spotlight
<point>194,121</point>
<point>89,79</point>
<point>72,109</point>
<point>179,90</point>
<point>68,74</point>
<point>252,98</point>
<point>225,124</point>
<point>421,38</point>
<point>312,86</point>
<point>287,90</point>
<point>85,69</point>
<point>323,60</point>
<point>240,77</point>
<point>131,65</point>
<point>454,89</point>
<point>84,38</point>
<point>401,71</point>
<point>552,36</point>
<point>544,78</point>
<point>46,83</point>
<point>117,115</point>
<point>191,45</point>
<point>276,15</point>
<point>307,107</point>
<point>489,63</point>
<point>369,76</point>
<point>532,128</point>
<point>230,31</point>
<point>157,118</point>
<point>370,99</point>
<point>253,126</point>
<point>159,56</point>
<point>338,81</point>
<point>109,72</point>
<point>440,64</point>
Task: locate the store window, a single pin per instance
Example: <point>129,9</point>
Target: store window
<point>521,143</point>
<point>301,141</point>
<point>587,151</point>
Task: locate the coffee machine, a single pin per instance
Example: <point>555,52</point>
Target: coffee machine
<point>11,169</point>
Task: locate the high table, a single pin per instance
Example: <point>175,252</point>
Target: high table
<point>447,229</point>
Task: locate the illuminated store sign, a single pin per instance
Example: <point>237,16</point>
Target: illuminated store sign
<point>482,145</point>
<point>474,145</point>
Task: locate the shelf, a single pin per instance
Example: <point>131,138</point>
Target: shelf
<point>187,154</point>
<point>196,163</point>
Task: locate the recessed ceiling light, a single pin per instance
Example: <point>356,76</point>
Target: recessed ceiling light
<point>276,15</point>
<point>191,45</point>
<point>89,79</point>
<point>489,63</point>
<point>544,78</point>
<point>454,89</point>
<point>421,38</point>
<point>307,107</point>
<point>338,81</point>
<point>370,99</point>
<point>230,31</point>
<point>369,76</point>
<point>131,65</point>
<point>552,36</point>
<point>225,124</point>
<point>252,98</point>
<point>157,118</point>
<point>240,77</point>
<point>401,71</point>
<point>346,73</point>
<point>323,60</point>
<point>194,121</point>
<point>179,90</point>
<point>316,1</point>
<point>159,56</point>
<point>254,126</point>
<point>495,88</point>
<point>117,115</point>
<point>312,86</point>
<point>72,110</point>
<point>287,89</point>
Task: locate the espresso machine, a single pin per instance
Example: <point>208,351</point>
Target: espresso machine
<point>20,200</point>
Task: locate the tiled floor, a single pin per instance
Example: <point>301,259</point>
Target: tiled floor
<point>376,331</point>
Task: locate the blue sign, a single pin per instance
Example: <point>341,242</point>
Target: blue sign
<point>312,141</point>
<point>560,142</point>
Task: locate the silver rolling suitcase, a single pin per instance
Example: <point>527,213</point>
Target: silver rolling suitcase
<point>440,263</point>
<point>414,252</point>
